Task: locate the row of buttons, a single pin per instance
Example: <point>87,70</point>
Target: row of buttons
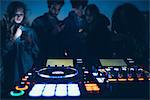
<point>48,90</point>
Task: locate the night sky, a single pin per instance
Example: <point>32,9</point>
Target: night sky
<point>39,7</point>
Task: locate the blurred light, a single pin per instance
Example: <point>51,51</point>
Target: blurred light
<point>28,83</point>
<point>132,69</point>
<point>130,79</point>
<point>107,69</point>
<point>26,76</point>
<point>112,80</point>
<point>12,93</point>
<point>131,61</point>
<point>122,79</point>
<point>92,87</point>
<point>100,80</point>
<point>22,88</point>
<point>24,79</point>
<point>140,79</point>
<point>116,69</point>
<point>86,72</point>
<point>124,68</point>
<point>30,74</point>
<point>22,82</point>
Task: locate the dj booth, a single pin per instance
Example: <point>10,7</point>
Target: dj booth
<point>76,79</point>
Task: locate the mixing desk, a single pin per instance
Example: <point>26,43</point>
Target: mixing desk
<point>67,78</point>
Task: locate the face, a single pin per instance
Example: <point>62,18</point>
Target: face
<point>79,11</point>
<point>19,16</point>
<point>54,9</point>
<point>88,16</point>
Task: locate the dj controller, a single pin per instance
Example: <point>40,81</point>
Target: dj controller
<point>73,79</point>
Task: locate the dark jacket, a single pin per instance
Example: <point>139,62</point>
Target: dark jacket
<point>17,55</point>
<point>72,38</point>
<point>99,37</point>
<point>48,36</point>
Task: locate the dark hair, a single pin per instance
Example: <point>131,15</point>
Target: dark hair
<point>53,2</point>
<point>128,19</point>
<point>77,3</point>
<point>93,9</point>
<point>12,8</point>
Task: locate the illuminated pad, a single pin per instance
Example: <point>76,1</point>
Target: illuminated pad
<point>37,90</point>
<point>59,62</point>
<point>92,87</point>
<point>100,80</point>
<point>50,90</point>
<point>73,90</point>
<point>61,90</point>
<point>112,62</point>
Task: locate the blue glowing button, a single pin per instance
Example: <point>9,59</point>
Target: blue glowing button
<point>73,90</point>
<point>49,90</point>
<point>37,90</point>
<point>61,90</point>
<point>95,74</point>
<point>100,80</point>
<point>17,93</point>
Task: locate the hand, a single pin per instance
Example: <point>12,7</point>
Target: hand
<point>18,33</point>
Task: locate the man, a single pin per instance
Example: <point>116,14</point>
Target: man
<point>48,28</point>
<point>99,36</point>
<point>73,34</point>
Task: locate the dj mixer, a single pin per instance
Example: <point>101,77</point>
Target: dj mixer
<point>72,79</point>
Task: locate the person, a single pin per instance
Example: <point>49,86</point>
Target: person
<point>73,33</point>
<point>129,38</point>
<point>48,28</point>
<point>18,44</point>
<point>99,36</point>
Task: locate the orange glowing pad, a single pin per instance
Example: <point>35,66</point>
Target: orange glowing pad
<point>96,88</point>
<point>122,79</point>
<point>92,87</point>
<point>89,88</point>
<point>140,79</point>
<point>130,79</point>
<point>112,80</point>
<point>22,88</point>
<point>148,78</point>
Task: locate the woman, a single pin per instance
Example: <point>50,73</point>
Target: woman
<point>130,38</point>
<point>19,43</point>
<point>98,39</point>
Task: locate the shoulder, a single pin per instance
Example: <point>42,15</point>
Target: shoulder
<point>70,17</point>
<point>39,19</point>
<point>102,18</point>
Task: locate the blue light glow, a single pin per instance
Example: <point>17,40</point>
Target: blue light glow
<point>95,74</point>
<point>100,80</point>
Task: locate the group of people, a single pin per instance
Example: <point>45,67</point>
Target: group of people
<point>83,34</point>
